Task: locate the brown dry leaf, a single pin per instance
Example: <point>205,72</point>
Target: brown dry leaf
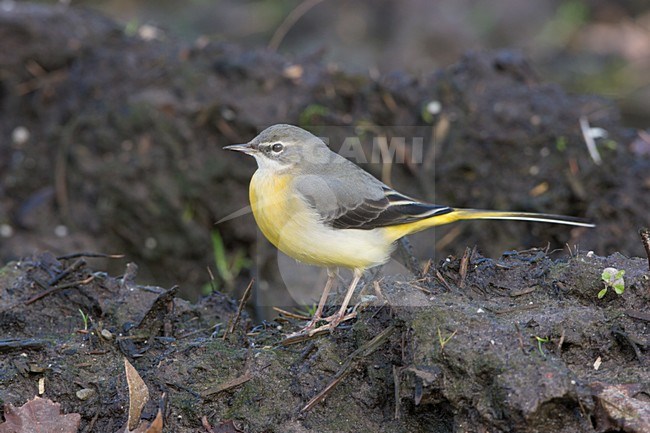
<point>138,395</point>
<point>156,425</point>
<point>39,415</point>
<point>293,72</point>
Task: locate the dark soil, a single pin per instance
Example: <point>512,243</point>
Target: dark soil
<point>510,346</point>
<point>123,156</point>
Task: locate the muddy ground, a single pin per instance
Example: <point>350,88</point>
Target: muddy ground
<point>505,345</point>
<point>111,143</point>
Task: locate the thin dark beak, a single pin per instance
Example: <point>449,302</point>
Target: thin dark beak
<point>245,148</point>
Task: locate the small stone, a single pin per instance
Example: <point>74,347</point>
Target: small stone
<point>20,135</point>
<point>36,368</point>
<point>6,231</point>
<point>85,394</point>
<point>434,107</point>
<point>61,231</point>
<point>150,243</point>
<point>597,363</point>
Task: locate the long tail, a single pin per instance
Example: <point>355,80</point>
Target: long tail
<point>478,214</point>
<point>454,215</point>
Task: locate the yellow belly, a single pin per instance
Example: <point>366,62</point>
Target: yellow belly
<point>295,228</point>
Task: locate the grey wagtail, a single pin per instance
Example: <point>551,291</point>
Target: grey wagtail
<point>321,209</point>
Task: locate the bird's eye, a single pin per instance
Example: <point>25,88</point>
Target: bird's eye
<point>277,147</point>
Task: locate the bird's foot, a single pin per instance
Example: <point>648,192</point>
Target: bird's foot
<point>310,329</point>
<point>306,331</point>
<point>335,319</point>
<point>311,325</point>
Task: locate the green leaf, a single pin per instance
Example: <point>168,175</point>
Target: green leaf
<point>619,287</point>
<point>220,256</point>
<point>608,273</point>
<point>602,293</point>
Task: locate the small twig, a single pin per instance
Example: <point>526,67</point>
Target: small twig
<point>289,22</point>
<point>645,239</point>
<point>306,351</point>
<point>351,360</point>
<point>442,280</point>
<point>396,385</point>
<point>67,271</point>
<point>300,337</point>
<point>571,253</point>
<point>91,255</point>
<point>290,315</point>
<point>198,331</point>
<point>59,287</point>
<point>15,344</point>
<point>464,262</point>
<point>42,79</point>
<point>561,342</point>
<point>185,388</point>
<point>589,140</point>
<point>378,292</point>
<point>525,291</point>
<point>206,424</point>
<point>233,383</point>
<point>422,289</point>
<point>426,268</point>
<point>212,285</point>
<point>242,302</point>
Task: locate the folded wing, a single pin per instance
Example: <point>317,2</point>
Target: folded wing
<point>362,203</point>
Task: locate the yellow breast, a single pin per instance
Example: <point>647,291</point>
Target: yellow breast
<point>296,229</point>
<point>271,203</point>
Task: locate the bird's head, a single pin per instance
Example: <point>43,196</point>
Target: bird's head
<point>280,147</point>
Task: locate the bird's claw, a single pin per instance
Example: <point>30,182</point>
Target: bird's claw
<point>310,329</point>
<point>332,322</point>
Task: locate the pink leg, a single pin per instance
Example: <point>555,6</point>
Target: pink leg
<point>338,317</point>
<point>318,315</point>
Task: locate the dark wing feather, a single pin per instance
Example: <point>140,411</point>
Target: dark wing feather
<point>393,208</point>
<point>341,204</point>
<point>346,197</point>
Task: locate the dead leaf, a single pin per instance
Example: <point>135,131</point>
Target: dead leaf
<point>156,425</point>
<point>228,385</point>
<point>138,395</point>
<point>39,415</point>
